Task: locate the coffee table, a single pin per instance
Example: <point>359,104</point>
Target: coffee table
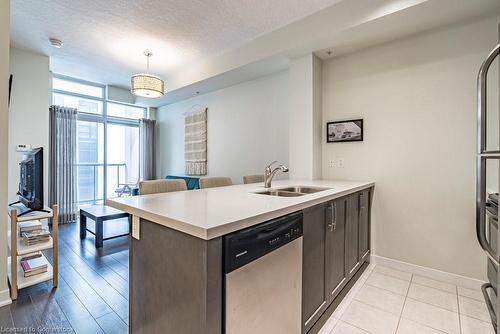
<point>100,214</point>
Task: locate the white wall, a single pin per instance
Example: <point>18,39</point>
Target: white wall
<point>317,117</point>
<point>29,112</point>
<point>304,106</point>
<point>247,129</point>
<point>417,98</point>
<point>4,115</point>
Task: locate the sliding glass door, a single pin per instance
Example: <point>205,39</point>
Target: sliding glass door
<point>122,163</point>
<point>106,168</point>
<point>90,162</point>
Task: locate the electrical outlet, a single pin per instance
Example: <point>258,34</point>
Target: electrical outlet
<point>336,163</point>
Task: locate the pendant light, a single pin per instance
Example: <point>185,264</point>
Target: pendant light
<point>145,84</point>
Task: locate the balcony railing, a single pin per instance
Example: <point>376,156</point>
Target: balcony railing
<point>88,181</point>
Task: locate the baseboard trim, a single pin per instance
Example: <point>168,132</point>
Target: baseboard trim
<point>5,297</point>
<point>438,275</point>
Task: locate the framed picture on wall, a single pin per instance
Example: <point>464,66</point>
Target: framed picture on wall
<point>344,131</point>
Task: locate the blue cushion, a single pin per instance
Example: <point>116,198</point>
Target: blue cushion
<point>191,182</point>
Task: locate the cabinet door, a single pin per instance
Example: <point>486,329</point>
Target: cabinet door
<point>364,224</point>
<point>314,292</point>
<point>335,247</point>
<point>352,234</point>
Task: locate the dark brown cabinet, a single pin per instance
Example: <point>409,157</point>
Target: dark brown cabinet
<point>364,224</point>
<point>335,247</point>
<point>352,234</point>
<point>314,291</point>
<point>336,243</point>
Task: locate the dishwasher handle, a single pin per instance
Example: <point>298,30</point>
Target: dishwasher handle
<point>276,231</point>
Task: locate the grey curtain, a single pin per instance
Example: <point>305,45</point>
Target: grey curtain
<point>147,128</point>
<point>62,183</point>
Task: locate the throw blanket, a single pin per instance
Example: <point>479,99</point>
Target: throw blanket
<point>195,142</point>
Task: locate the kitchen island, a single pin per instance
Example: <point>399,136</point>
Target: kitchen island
<point>176,251</point>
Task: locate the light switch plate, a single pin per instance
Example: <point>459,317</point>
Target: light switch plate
<point>136,227</point>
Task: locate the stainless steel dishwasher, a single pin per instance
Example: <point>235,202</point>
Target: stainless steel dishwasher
<point>263,278</point>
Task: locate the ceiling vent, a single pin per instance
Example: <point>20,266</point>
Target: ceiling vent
<point>57,43</point>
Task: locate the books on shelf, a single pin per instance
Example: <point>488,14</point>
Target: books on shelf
<point>29,226</point>
<point>33,232</point>
<point>36,237</point>
<point>34,264</point>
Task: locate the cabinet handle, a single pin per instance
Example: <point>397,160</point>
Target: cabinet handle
<point>362,207</point>
<point>329,216</point>
<point>333,224</point>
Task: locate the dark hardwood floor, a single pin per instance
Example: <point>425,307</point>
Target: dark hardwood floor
<point>92,296</point>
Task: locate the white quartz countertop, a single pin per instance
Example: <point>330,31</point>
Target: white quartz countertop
<point>211,213</point>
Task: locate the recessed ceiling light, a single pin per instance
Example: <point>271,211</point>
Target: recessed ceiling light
<point>57,43</point>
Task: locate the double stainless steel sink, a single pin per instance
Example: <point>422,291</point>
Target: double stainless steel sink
<point>293,191</point>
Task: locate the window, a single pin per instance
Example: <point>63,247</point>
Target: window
<point>107,139</point>
<point>79,103</point>
<point>125,111</point>
<point>77,87</point>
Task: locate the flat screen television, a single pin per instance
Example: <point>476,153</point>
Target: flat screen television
<point>31,180</point>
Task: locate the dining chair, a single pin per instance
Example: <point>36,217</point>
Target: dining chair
<point>253,179</point>
<point>212,182</point>
<point>161,186</point>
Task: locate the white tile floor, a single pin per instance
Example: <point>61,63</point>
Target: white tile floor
<point>388,301</point>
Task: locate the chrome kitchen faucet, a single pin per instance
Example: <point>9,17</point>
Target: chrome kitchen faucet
<point>269,174</point>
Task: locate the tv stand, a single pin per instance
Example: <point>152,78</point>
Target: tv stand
<point>18,249</point>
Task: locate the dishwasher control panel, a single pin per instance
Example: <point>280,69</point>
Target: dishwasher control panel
<point>244,246</point>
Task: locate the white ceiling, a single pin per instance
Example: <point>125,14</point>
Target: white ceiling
<point>344,27</point>
<point>104,40</point>
<point>205,45</point>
